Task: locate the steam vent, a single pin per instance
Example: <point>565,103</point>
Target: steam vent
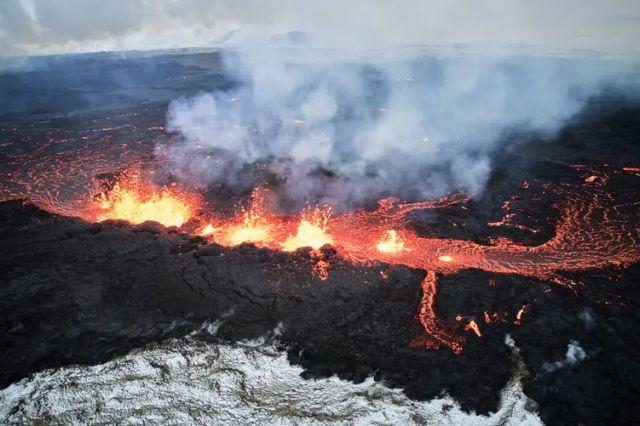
<point>301,213</point>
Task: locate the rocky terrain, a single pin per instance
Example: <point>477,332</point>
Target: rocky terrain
<point>75,294</point>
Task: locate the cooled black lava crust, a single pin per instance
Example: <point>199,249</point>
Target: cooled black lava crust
<point>74,292</point>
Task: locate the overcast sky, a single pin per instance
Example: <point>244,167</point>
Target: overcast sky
<point>46,26</point>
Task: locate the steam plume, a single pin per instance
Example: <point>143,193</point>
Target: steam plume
<point>343,132</point>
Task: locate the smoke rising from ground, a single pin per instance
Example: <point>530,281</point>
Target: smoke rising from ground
<point>349,108</point>
<point>341,132</point>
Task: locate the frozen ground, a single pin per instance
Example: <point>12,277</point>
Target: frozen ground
<point>185,381</point>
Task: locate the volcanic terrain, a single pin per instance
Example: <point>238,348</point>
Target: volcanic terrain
<point>419,294</point>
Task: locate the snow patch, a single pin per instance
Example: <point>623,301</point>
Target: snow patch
<point>212,327</point>
<point>187,381</point>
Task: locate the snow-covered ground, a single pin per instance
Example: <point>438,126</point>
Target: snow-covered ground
<point>186,381</point>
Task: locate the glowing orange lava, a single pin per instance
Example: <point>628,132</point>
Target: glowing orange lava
<point>137,203</point>
<point>249,231</point>
<point>207,230</point>
<point>593,231</point>
<point>311,232</point>
<point>473,326</point>
<point>390,243</point>
<point>589,235</point>
<point>252,225</point>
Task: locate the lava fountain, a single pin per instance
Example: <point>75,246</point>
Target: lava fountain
<point>136,201</point>
<point>312,231</point>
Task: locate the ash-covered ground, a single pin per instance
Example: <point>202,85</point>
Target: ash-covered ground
<point>89,293</point>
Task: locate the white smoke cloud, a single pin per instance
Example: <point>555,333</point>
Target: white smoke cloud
<point>575,354</point>
<point>343,105</point>
<point>343,132</point>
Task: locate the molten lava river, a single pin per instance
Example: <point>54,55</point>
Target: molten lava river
<point>591,232</point>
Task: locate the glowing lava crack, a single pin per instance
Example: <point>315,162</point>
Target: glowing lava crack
<point>591,233</point>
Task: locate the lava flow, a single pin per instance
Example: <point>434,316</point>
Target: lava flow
<point>591,233</point>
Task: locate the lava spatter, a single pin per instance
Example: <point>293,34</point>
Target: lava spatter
<point>138,202</point>
<point>592,232</point>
